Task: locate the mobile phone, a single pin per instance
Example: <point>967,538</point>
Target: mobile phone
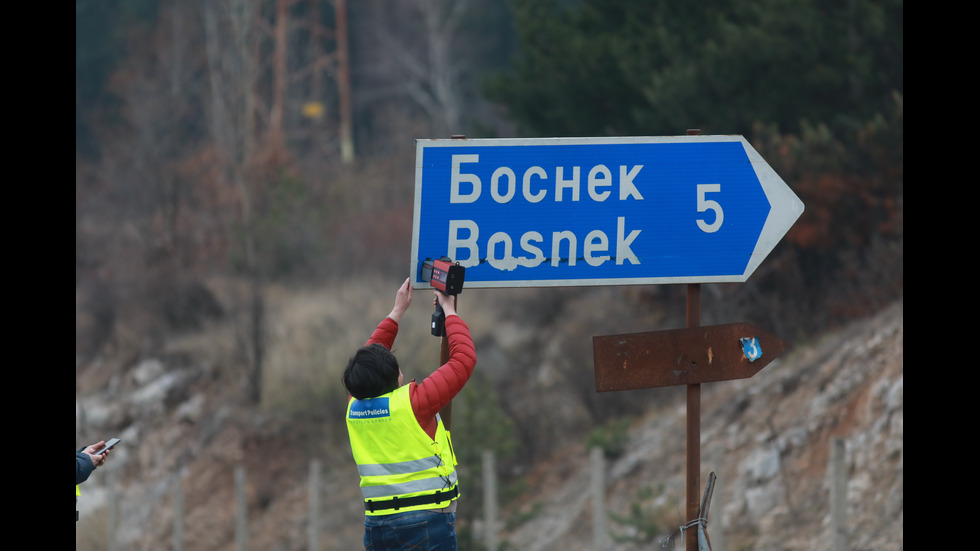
<point>108,446</point>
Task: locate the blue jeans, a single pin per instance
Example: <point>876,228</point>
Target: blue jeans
<point>415,530</point>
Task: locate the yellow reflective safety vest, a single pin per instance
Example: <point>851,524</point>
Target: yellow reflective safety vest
<point>401,467</point>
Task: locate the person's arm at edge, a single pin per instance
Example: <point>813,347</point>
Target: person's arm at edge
<point>86,461</point>
<point>84,466</point>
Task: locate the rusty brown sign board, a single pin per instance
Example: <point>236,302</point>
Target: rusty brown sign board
<point>682,356</point>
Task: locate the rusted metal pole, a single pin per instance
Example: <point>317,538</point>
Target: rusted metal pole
<point>693,420</point>
<point>693,429</point>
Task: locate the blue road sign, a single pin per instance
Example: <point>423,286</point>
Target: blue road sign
<point>598,211</point>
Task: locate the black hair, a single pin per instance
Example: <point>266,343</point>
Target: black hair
<point>371,371</point>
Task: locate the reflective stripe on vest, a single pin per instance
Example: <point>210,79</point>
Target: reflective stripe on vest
<point>394,455</point>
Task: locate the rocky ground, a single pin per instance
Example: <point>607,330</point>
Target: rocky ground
<point>768,438</point>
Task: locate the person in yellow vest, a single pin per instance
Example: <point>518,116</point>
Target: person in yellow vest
<point>86,461</point>
<point>403,450</point>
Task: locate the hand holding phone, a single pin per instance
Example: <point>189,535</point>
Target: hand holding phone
<point>108,446</point>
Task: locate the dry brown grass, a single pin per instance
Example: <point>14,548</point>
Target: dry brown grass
<point>313,332</point>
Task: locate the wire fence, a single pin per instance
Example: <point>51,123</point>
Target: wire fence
<point>490,539</point>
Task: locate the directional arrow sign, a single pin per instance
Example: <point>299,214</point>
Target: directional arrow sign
<point>598,211</point>
<point>682,356</point>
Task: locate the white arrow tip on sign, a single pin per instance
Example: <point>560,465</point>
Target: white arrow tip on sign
<point>785,208</point>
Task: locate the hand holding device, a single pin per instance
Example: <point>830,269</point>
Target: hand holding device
<point>447,278</point>
<point>108,446</point>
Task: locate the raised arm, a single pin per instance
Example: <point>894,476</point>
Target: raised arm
<point>386,331</point>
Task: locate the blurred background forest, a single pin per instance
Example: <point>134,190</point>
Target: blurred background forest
<point>231,152</point>
<point>272,140</point>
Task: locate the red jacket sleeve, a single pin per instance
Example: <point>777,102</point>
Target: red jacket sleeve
<point>429,396</point>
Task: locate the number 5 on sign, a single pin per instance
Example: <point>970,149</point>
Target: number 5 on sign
<point>709,204</point>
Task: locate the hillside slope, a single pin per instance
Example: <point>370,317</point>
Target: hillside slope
<point>766,437</point>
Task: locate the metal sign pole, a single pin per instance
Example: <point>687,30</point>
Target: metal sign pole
<point>693,415</point>
<point>693,424</point>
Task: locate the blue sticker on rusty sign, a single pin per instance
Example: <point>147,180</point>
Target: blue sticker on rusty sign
<point>751,348</point>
